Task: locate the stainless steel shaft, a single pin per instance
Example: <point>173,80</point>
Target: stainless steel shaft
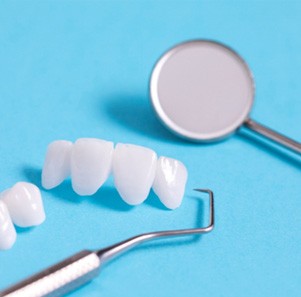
<point>59,279</point>
<point>274,136</point>
<point>73,272</point>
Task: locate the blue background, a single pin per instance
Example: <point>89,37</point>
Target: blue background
<point>71,69</point>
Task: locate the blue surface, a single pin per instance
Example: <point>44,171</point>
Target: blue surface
<point>71,69</point>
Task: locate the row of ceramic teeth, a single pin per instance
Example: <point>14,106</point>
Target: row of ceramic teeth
<point>135,169</point>
<point>21,205</point>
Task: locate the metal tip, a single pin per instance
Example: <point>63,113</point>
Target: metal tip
<point>203,190</point>
<point>111,251</point>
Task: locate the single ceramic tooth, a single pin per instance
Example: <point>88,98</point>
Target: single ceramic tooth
<point>134,170</point>
<point>91,163</point>
<point>57,163</point>
<point>170,182</point>
<point>7,230</point>
<point>25,204</point>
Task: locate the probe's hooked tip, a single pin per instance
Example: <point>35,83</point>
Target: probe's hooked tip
<point>211,211</point>
<point>204,191</point>
<point>113,250</point>
<point>82,267</point>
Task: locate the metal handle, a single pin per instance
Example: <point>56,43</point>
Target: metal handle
<point>59,279</point>
<point>71,273</point>
<point>274,136</point>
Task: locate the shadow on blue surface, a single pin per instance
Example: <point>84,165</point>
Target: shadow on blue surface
<point>32,174</point>
<point>153,201</point>
<point>23,230</point>
<point>136,114</point>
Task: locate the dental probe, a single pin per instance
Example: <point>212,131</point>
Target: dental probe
<point>82,267</point>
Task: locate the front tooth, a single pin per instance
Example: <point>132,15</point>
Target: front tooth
<point>91,162</point>
<point>170,182</point>
<point>7,230</point>
<point>57,163</point>
<point>134,170</point>
<point>25,204</point>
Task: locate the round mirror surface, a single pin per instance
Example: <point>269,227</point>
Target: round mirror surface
<point>202,90</point>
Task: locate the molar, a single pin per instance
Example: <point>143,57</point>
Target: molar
<point>24,204</point>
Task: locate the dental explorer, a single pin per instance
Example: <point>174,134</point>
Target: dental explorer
<point>82,267</point>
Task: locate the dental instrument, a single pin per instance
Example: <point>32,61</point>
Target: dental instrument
<point>203,91</point>
<point>136,169</point>
<point>79,269</point>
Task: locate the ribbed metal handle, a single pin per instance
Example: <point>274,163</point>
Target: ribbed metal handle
<point>59,279</point>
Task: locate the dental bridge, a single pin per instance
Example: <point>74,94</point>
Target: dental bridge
<point>136,169</point>
<point>82,267</point>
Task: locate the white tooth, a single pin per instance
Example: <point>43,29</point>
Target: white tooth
<point>170,182</point>
<point>25,204</point>
<point>57,163</point>
<point>7,230</point>
<point>91,163</point>
<point>134,170</point>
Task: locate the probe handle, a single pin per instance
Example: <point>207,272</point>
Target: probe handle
<point>59,279</point>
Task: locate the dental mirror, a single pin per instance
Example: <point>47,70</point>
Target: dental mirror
<point>203,91</point>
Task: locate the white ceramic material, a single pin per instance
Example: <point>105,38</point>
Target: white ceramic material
<point>170,181</point>
<point>134,170</point>
<point>7,230</point>
<point>91,163</point>
<point>24,204</point>
<point>57,163</point>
